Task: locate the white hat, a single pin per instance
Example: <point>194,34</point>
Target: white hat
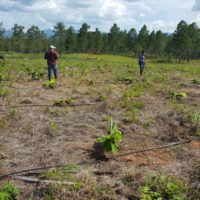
<point>52,47</point>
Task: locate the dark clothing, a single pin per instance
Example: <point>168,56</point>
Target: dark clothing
<point>141,63</point>
<point>141,60</point>
<point>53,67</point>
<point>51,57</point>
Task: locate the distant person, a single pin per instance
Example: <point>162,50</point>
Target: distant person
<point>51,56</point>
<point>141,62</point>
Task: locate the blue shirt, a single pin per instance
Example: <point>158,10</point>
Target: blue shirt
<point>141,59</point>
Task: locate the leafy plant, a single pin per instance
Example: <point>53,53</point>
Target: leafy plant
<point>8,191</point>
<point>34,74</point>
<point>109,142</point>
<point>195,117</point>
<point>162,188</point>
<point>4,92</point>
<point>178,96</point>
<point>195,81</point>
<point>50,84</point>
<point>63,102</point>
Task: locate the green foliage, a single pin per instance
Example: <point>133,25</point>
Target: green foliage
<point>64,173</point>
<point>50,84</point>
<point>33,73</point>
<point>126,79</point>
<point>8,191</point>
<point>195,81</point>
<point>163,188</point>
<point>63,102</point>
<point>2,122</point>
<point>177,96</point>
<point>135,91</point>
<point>4,92</point>
<point>195,117</point>
<point>198,133</point>
<point>109,142</point>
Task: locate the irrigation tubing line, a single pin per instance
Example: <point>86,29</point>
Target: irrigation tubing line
<point>154,148</point>
<point>41,168</point>
<point>86,162</point>
<point>45,105</point>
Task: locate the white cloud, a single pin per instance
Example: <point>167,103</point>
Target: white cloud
<point>156,14</point>
<point>196,6</point>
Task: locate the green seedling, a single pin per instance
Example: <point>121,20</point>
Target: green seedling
<point>162,187</point>
<point>126,79</point>
<point>8,191</point>
<point>195,81</point>
<point>195,117</point>
<point>64,102</point>
<point>109,142</point>
<point>50,84</point>
<point>178,96</point>
<point>34,74</point>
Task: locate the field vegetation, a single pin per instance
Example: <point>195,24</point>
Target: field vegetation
<point>99,99</point>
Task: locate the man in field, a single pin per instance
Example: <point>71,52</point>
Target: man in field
<point>51,56</point>
<point>141,62</point>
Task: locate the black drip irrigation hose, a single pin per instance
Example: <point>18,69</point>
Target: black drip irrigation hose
<point>96,162</point>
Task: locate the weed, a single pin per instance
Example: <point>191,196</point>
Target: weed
<point>52,128</point>
<point>132,109</point>
<point>50,84</point>
<point>64,102</point>
<point>4,92</point>
<point>126,79</point>
<point>193,116</point>
<point>34,74</point>
<point>2,122</point>
<point>198,133</point>
<point>65,173</point>
<point>109,142</point>
<point>162,187</point>
<point>195,81</point>
<point>100,97</point>
<point>13,113</point>
<point>8,191</point>
<point>135,91</point>
<point>177,96</point>
<point>149,122</point>
<point>56,112</point>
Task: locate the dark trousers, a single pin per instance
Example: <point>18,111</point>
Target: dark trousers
<point>53,67</point>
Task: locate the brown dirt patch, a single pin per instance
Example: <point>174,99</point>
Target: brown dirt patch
<point>149,158</point>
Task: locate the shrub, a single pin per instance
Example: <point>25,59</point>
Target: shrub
<point>163,188</point>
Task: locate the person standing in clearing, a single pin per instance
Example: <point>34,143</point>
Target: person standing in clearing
<point>51,56</point>
<point>141,62</point>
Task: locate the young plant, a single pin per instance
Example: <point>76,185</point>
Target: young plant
<point>8,191</point>
<point>178,96</point>
<point>109,142</point>
<point>64,102</point>
<point>195,81</point>
<point>162,187</point>
<point>50,84</point>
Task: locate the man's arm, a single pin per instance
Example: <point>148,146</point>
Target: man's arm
<point>56,55</point>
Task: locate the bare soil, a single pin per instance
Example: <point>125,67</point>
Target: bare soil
<point>44,135</point>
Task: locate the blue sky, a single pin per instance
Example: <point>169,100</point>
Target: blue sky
<point>156,14</point>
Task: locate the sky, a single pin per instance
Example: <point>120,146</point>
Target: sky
<point>156,14</point>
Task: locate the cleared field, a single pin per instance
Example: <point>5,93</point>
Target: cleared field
<point>43,127</point>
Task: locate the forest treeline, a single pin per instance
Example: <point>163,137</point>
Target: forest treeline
<point>183,44</point>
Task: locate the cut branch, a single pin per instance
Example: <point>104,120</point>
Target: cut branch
<point>36,180</point>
